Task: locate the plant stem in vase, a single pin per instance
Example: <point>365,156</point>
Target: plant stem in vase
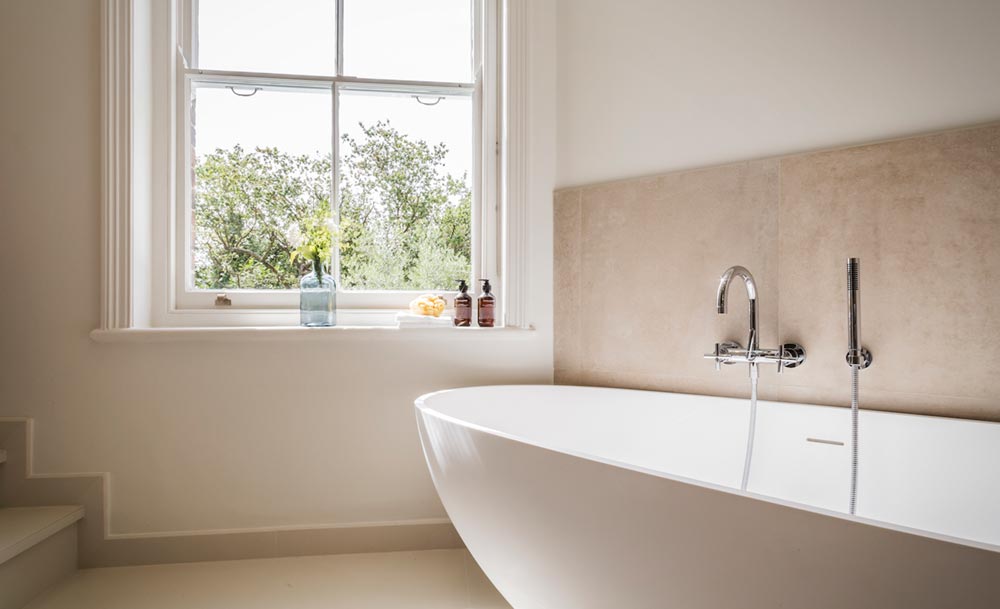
<point>317,297</point>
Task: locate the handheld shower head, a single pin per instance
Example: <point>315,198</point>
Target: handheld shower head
<point>853,274</point>
<point>858,358</point>
<point>856,354</point>
<point>853,313</point>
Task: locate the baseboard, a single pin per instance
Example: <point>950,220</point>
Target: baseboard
<point>271,543</point>
<point>19,485</point>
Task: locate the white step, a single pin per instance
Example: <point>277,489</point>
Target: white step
<point>23,527</point>
<point>37,550</point>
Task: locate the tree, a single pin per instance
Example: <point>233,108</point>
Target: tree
<point>404,222</point>
<point>245,204</point>
<point>401,213</point>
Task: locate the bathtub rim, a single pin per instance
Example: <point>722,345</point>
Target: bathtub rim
<point>421,406</point>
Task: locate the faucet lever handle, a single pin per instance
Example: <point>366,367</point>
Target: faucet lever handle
<point>792,355</point>
<point>725,353</point>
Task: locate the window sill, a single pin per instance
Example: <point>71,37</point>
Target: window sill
<point>299,333</point>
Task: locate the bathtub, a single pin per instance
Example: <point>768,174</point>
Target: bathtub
<point>580,498</point>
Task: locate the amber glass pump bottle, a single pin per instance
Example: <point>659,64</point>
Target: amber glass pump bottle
<point>487,303</point>
<point>463,305</point>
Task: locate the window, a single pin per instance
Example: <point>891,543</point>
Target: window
<point>164,76</point>
<point>366,118</point>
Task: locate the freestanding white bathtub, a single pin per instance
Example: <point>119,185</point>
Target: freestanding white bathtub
<point>580,498</point>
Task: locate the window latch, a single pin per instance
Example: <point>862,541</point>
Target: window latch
<point>250,93</point>
<point>222,300</point>
<point>421,101</point>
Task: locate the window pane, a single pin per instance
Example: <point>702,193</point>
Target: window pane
<point>262,174</point>
<point>408,40</point>
<point>290,36</point>
<point>405,191</point>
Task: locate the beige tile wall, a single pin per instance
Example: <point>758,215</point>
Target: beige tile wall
<point>637,263</point>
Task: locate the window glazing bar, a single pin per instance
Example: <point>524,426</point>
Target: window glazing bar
<point>335,175</point>
<point>340,37</point>
<point>324,82</point>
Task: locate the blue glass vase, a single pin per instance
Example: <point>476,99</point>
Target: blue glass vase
<point>317,299</point>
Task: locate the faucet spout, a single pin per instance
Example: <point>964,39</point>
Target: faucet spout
<point>751,286</point>
<point>788,355</point>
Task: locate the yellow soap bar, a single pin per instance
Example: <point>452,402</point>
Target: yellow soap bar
<point>428,304</point>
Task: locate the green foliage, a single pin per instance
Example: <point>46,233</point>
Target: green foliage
<point>437,263</point>
<point>316,243</point>
<point>245,205</point>
<point>395,197</point>
<point>261,216</point>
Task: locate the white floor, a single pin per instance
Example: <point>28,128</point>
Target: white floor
<point>437,579</point>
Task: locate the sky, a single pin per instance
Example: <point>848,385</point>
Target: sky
<point>398,39</point>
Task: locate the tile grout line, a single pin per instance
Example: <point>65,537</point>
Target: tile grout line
<point>777,279</point>
<point>579,287</point>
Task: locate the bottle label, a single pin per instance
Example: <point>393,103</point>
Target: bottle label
<point>463,314</point>
<point>486,314</point>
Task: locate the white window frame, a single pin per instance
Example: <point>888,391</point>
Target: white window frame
<point>188,298</point>
<point>142,74</point>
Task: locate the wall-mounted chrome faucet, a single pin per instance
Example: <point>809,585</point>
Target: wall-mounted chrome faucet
<point>788,355</point>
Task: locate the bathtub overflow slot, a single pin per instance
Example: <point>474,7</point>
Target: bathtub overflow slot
<point>822,441</point>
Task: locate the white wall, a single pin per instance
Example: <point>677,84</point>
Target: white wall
<point>201,436</point>
<point>647,86</point>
